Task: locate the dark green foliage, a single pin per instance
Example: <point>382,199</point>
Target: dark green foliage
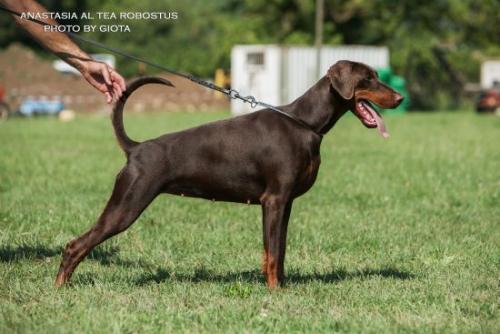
<point>463,32</point>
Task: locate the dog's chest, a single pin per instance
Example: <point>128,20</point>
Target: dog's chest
<point>308,175</point>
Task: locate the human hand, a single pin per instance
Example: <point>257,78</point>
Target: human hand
<point>104,78</point>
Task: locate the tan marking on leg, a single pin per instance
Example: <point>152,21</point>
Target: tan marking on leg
<point>272,279</point>
<point>264,262</point>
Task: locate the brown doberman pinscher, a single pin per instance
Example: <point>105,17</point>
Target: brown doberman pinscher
<point>259,158</point>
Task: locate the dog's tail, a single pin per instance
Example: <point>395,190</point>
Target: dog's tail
<point>117,116</point>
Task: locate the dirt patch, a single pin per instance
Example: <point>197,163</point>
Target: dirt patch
<point>23,74</point>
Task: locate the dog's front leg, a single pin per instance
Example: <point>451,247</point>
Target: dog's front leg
<point>276,212</point>
<point>265,254</point>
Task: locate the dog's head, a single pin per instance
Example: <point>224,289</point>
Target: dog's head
<point>359,85</point>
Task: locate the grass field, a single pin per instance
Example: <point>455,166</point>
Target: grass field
<point>398,235</point>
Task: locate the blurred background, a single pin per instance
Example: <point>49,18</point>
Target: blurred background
<point>444,55</point>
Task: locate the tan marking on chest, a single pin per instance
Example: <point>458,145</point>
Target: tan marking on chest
<point>313,165</point>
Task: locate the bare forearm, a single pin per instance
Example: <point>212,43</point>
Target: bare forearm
<point>56,42</point>
<point>98,74</point>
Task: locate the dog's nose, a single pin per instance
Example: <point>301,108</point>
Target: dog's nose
<point>399,98</point>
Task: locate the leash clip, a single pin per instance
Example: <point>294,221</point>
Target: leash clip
<point>233,93</point>
<point>253,102</point>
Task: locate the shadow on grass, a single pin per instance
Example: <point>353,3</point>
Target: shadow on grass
<point>104,255</point>
<point>22,252</point>
<point>254,276</point>
<point>109,256</point>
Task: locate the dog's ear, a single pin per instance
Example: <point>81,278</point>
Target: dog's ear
<point>341,78</point>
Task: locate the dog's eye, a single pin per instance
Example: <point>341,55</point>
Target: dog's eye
<point>371,80</point>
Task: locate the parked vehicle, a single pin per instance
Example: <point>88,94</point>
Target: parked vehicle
<point>489,100</point>
<point>4,107</point>
<point>489,97</point>
<point>40,106</point>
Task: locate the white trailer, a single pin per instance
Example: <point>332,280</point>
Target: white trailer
<point>64,67</point>
<point>490,74</point>
<point>278,75</point>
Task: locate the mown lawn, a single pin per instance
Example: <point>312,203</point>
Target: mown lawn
<point>398,235</point>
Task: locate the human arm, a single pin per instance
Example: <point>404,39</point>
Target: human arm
<point>98,74</point>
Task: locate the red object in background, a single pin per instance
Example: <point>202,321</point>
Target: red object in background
<point>489,100</point>
<point>4,107</point>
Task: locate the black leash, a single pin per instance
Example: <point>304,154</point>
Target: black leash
<point>232,93</point>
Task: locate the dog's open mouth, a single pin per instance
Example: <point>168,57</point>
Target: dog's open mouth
<point>370,117</point>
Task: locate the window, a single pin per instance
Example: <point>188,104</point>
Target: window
<point>255,58</point>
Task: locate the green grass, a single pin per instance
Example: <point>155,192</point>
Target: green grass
<point>398,235</point>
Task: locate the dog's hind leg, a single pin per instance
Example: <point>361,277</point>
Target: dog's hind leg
<point>131,195</point>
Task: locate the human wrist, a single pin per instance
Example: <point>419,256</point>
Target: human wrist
<point>77,58</point>
<point>80,64</point>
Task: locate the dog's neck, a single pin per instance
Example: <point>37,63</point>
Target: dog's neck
<point>320,107</point>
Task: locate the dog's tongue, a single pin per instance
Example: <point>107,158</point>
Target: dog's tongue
<point>380,122</point>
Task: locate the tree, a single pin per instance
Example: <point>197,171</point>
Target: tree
<point>436,46</point>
